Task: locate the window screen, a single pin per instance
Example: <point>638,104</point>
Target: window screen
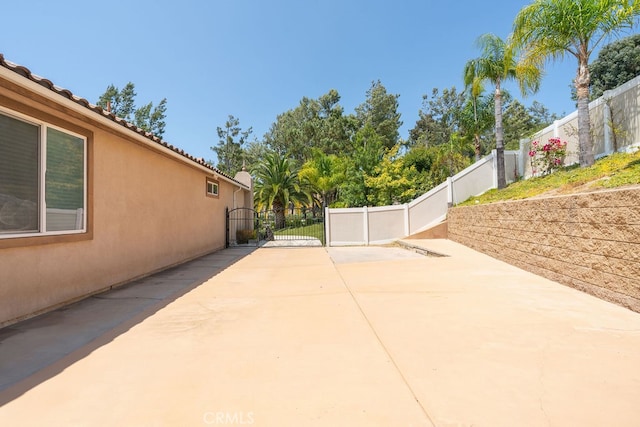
<point>64,181</point>
<point>19,175</point>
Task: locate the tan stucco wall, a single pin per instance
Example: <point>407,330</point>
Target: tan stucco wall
<point>589,241</point>
<point>149,211</point>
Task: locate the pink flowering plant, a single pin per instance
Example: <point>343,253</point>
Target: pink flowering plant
<point>546,158</point>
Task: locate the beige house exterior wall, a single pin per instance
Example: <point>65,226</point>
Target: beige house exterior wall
<point>588,241</point>
<point>147,210</point>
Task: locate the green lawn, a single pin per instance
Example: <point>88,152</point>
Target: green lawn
<point>612,171</point>
<point>314,230</point>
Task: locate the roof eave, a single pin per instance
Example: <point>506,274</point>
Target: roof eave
<point>23,77</point>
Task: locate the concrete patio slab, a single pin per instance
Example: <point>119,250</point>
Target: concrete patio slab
<point>349,255</point>
<point>31,345</point>
<point>347,337</point>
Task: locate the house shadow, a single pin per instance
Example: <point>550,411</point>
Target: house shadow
<point>37,349</point>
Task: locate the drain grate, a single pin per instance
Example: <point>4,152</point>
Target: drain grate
<point>420,250</point>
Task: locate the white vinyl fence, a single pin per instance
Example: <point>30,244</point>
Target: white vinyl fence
<point>615,126</point>
<point>65,219</point>
<point>385,224</point>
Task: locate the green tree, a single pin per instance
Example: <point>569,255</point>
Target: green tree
<point>150,118</point>
<point>121,102</point>
<point>254,152</point>
<point>439,117</point>
<point>365,154</point>
<point>380,112</point>
<point>617,63</point>
<point>451,158</point>
<point>313,124</point>
<point>421,159</point>
<point>474,88</point>
<point>498,63</point>
<point>276,185</point>
<point>554,28</point>
<point>323,174</point>
<point>229,148</point>
<point>335,129</point>
<point>392,182</point>
<point>477,114</point>
<point>286,134</point>
<point>541,116</point>
<point>518,124</point>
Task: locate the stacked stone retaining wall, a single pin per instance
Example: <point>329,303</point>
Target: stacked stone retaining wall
<point>587,241</point>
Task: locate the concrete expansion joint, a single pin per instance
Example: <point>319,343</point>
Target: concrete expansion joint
<point>633,331</point>
<point>106,297</point>
<point>384,347</point>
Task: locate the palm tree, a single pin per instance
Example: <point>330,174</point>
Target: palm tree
<point>497,64</point>
<point>554,28</point>
<point>323,174</point>
<point>476,114</point>
<point>473,86</point>
<point>276,185</point>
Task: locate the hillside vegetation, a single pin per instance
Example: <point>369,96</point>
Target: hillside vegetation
<point>616,170</point>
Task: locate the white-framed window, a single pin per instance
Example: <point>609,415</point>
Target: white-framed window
<point>43,178</point>
<point>213,188</point>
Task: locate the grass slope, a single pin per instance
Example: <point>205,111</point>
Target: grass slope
<point>616,170</point>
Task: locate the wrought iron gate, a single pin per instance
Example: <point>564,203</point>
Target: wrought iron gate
<point>290,227</point>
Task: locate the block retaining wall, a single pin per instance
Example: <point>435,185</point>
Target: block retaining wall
<point>589,241</point>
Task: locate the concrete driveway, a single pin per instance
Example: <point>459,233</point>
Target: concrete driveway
<point>330,337</point>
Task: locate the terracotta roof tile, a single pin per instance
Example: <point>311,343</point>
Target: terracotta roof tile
<point>26,73</point>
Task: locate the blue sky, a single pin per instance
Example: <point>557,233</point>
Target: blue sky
<point>255,59</point>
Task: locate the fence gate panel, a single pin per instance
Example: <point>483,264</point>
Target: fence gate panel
<point>242,227</point>
<point>290,227</point>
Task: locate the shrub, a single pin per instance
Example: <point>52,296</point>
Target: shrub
<point>545,158</point>
<point>243,236</point>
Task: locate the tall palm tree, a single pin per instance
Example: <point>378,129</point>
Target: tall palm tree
<point>498,63</point>
<point>554,28</point>
<point>473,86</point>
<point>276,185</point>
<point>476,114</point>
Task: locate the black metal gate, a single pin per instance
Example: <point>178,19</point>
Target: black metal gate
<point>290,227</point>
